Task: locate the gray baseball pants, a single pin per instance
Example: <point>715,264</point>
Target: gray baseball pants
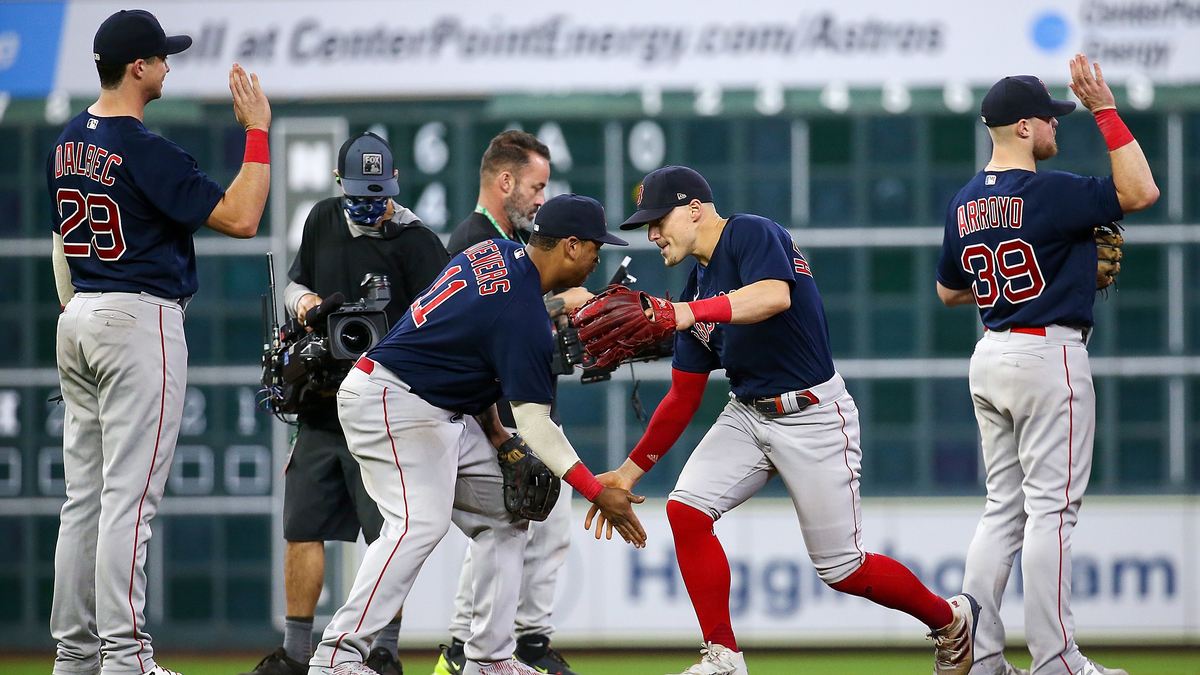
<point>425,467</point>
<point>122,366</point>
<point>545,554</point>
<point>817,453</point>
<point>1036,409</point>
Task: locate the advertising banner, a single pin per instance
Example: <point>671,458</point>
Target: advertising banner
<point>1136,576</point>
<point>370,48</point>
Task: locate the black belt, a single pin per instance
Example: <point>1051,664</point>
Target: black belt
<point>783,404</point>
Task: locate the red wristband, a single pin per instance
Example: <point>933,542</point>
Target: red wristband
<point>580,478</point>
<point>712,310</point>
<point>257,148</point>
<point>1115,133</point>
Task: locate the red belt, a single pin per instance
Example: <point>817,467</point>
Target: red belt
<point>1027,331</point>
<point>367,365</point>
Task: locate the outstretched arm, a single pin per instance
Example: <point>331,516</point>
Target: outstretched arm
<point>671,417</point>
<point>759,301</point>
<point>553,448</point>
<point>1136,189</point>
<point>238,212</point>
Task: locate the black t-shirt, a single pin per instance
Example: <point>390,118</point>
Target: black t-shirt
<point>474,229</point>
<point>331,260</point>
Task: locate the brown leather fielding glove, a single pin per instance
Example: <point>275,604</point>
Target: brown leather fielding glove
<point>1108,254</point>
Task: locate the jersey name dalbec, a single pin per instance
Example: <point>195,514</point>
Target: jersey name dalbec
<point>989,212</point>
<point>69,159</point>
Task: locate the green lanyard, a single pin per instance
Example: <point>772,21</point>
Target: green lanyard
<point>479,208</point>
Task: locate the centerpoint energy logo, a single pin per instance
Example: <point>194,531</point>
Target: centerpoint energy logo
<point>1049,31</point>
<point>558,37</point>
<point>1143,34</point>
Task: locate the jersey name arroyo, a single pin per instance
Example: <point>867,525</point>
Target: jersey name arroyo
<point>989,212</point>
<point>488,266</point>
<point>94,162</point>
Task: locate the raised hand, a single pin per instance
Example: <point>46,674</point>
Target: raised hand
<point>250,104</point>
<point>1089,85</point>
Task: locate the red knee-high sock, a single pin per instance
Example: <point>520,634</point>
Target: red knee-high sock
<point>705,571</point>
<point>886,582</point>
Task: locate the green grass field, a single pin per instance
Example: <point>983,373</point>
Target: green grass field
<point>813,662</point>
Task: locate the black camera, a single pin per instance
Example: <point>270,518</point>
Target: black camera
<point>302,368</point>
<point>569,352</point>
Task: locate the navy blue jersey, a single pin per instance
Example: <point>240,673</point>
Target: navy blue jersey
<point>787,352</point>
<point>1024,242</point>
<point>126,203</point>
<point>479,332</point>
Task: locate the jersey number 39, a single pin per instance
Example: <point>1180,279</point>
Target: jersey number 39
<point>1013,261</point>
<point>103,217</point>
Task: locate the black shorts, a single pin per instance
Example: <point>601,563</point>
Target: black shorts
<point>323,494</point>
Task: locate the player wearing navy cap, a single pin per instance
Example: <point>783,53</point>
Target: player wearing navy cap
<point>479,332</point>
<point>126,204</point>
<point>1020,244</point>
<point>513,174</point>
<point>753,309</point>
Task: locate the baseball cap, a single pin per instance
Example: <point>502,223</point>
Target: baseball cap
<point>133,34</point>
<point>1020,97</point>
<point>663,190</point>
<point>365,167</point>
<point>572,215</point>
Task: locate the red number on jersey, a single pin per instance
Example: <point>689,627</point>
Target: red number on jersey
<point>984,275</point>
<point>69,223</point>
<point>421,308</point>
<point>1014,260</point>
<point>103,218</point>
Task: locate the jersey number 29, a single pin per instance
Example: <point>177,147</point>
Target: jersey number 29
<point>103,217</point>
<point>1015,262</point>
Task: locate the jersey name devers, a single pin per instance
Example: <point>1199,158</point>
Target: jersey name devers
<point>73,159</point>
<point>488,266</point>
<point>989,212</point>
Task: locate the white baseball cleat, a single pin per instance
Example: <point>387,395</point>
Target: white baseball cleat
<point>509,667</point>
<point>348,668</point>
<point>717,659</point>
<point>1090,667</point>
<point>954,644</point>
<point>159,670</point>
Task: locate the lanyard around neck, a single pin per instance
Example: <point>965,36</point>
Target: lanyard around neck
<point>479,208</point>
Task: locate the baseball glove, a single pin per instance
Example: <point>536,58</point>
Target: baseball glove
<point>619,322</point>
<point>1108,254</point>
<point>530,487</point>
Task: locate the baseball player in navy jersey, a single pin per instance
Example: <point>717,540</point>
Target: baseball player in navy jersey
<point>753,309</point>
<point>512,180</point>
<point>126,204</point>
<point>1020,244</point>
<point>419,415</point>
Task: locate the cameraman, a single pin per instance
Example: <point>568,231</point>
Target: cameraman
<point>512,181</point>
<point>345,239</point>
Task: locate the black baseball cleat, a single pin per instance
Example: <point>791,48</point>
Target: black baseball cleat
<point>453,659</point>
<point>535,651</point>
<point>279,663</point>
<point>384,662</point>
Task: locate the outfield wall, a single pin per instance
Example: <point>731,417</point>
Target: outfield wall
<point>1136,578</point>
